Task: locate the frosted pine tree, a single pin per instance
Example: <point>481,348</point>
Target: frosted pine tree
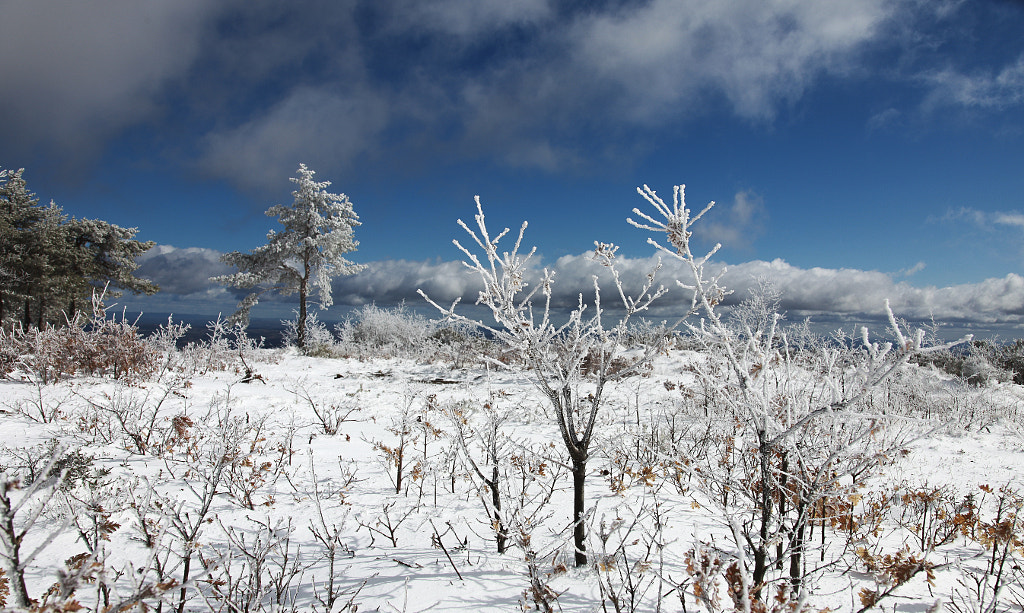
<point>318,231</point>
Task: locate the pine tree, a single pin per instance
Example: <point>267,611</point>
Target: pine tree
<point>97,253</point>
<point>48,262</point>
<point>318,231</point>
<point>19,213</point>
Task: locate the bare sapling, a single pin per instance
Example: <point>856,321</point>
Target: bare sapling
<point>490,438</point>
<point>45,405</point>
<point>15,526</point>
<point>570,364</point>
<point>22,512</point>
<point>998,579</point>
<point>139,415</point>
<point>514,481</point>
<point>329,532</point>
<point>259,569</point>
<point>427,464</point>
<point>330,415</point>
<point>202,472</point>
<point>91,504</point>
<point>396,457</point>
<point>387,523</point>
<point>630,563</point>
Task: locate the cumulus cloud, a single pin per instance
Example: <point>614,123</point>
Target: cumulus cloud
<point>806,292</point>
<point>815,292</point>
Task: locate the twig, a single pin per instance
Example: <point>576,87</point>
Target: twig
<point>445,550</point>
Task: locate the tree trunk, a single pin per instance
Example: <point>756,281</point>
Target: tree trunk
<point>11,556</point>
<point>796,554</point>
<point>300,339</point>
<point>765,502</point>
<point>579,476</point>
<point>783,480</point>
<point>499,526</point>
<point>184,578</point>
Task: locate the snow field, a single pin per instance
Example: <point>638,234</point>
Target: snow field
<point>431,546</point>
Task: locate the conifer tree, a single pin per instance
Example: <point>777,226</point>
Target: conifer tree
<point>50,264</point>
<point>318,231</point>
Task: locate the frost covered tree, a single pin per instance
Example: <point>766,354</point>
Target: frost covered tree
<point>793,425</point>
<point>318,231</point>
<point>571,364</point>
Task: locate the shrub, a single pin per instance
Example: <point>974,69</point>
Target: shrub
<point>319,342</point>
<point>376,332</point>
<point>99,346</point>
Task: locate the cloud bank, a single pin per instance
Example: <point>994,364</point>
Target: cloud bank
<point>831,294</point>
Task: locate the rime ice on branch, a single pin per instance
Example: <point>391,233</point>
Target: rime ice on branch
<point>570,364</point>
<point>318,231</point>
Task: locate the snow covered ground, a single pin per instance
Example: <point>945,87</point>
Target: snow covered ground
<point>299,468</point>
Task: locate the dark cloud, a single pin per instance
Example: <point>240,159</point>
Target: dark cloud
<point>258,85</point>
<point>76,74</point>
<point>182,271</point>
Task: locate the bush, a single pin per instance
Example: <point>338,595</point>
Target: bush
<point>99,347</point>
<point>982,363</point>
<point>398,332</point>
<point>319,340</point>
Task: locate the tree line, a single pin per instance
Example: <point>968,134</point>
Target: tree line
<point>51,263</point>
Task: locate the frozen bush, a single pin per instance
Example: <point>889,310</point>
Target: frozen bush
<point>319,342</point>
<point>1010,357</point>
<point>981,363</point>
<point>978,370</point>
<point>99,346</point>
<point>376,332</point>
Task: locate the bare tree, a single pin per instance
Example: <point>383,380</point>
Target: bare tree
<point>791,422</point>
<point>572,363</point>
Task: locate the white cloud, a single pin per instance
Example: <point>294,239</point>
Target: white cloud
<point>985,220</point>
<point>667,54</point>
<point>980,90</point>
<point>1010,219</point>
<point>737,224</point>
<point>913,270</point>
<point>821,292</point>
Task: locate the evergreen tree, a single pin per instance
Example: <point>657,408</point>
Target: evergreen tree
<point>318,231</point>
<point>19,213</point>
<point>50,265</point>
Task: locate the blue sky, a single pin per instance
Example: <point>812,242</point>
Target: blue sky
<point>857,150</point>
